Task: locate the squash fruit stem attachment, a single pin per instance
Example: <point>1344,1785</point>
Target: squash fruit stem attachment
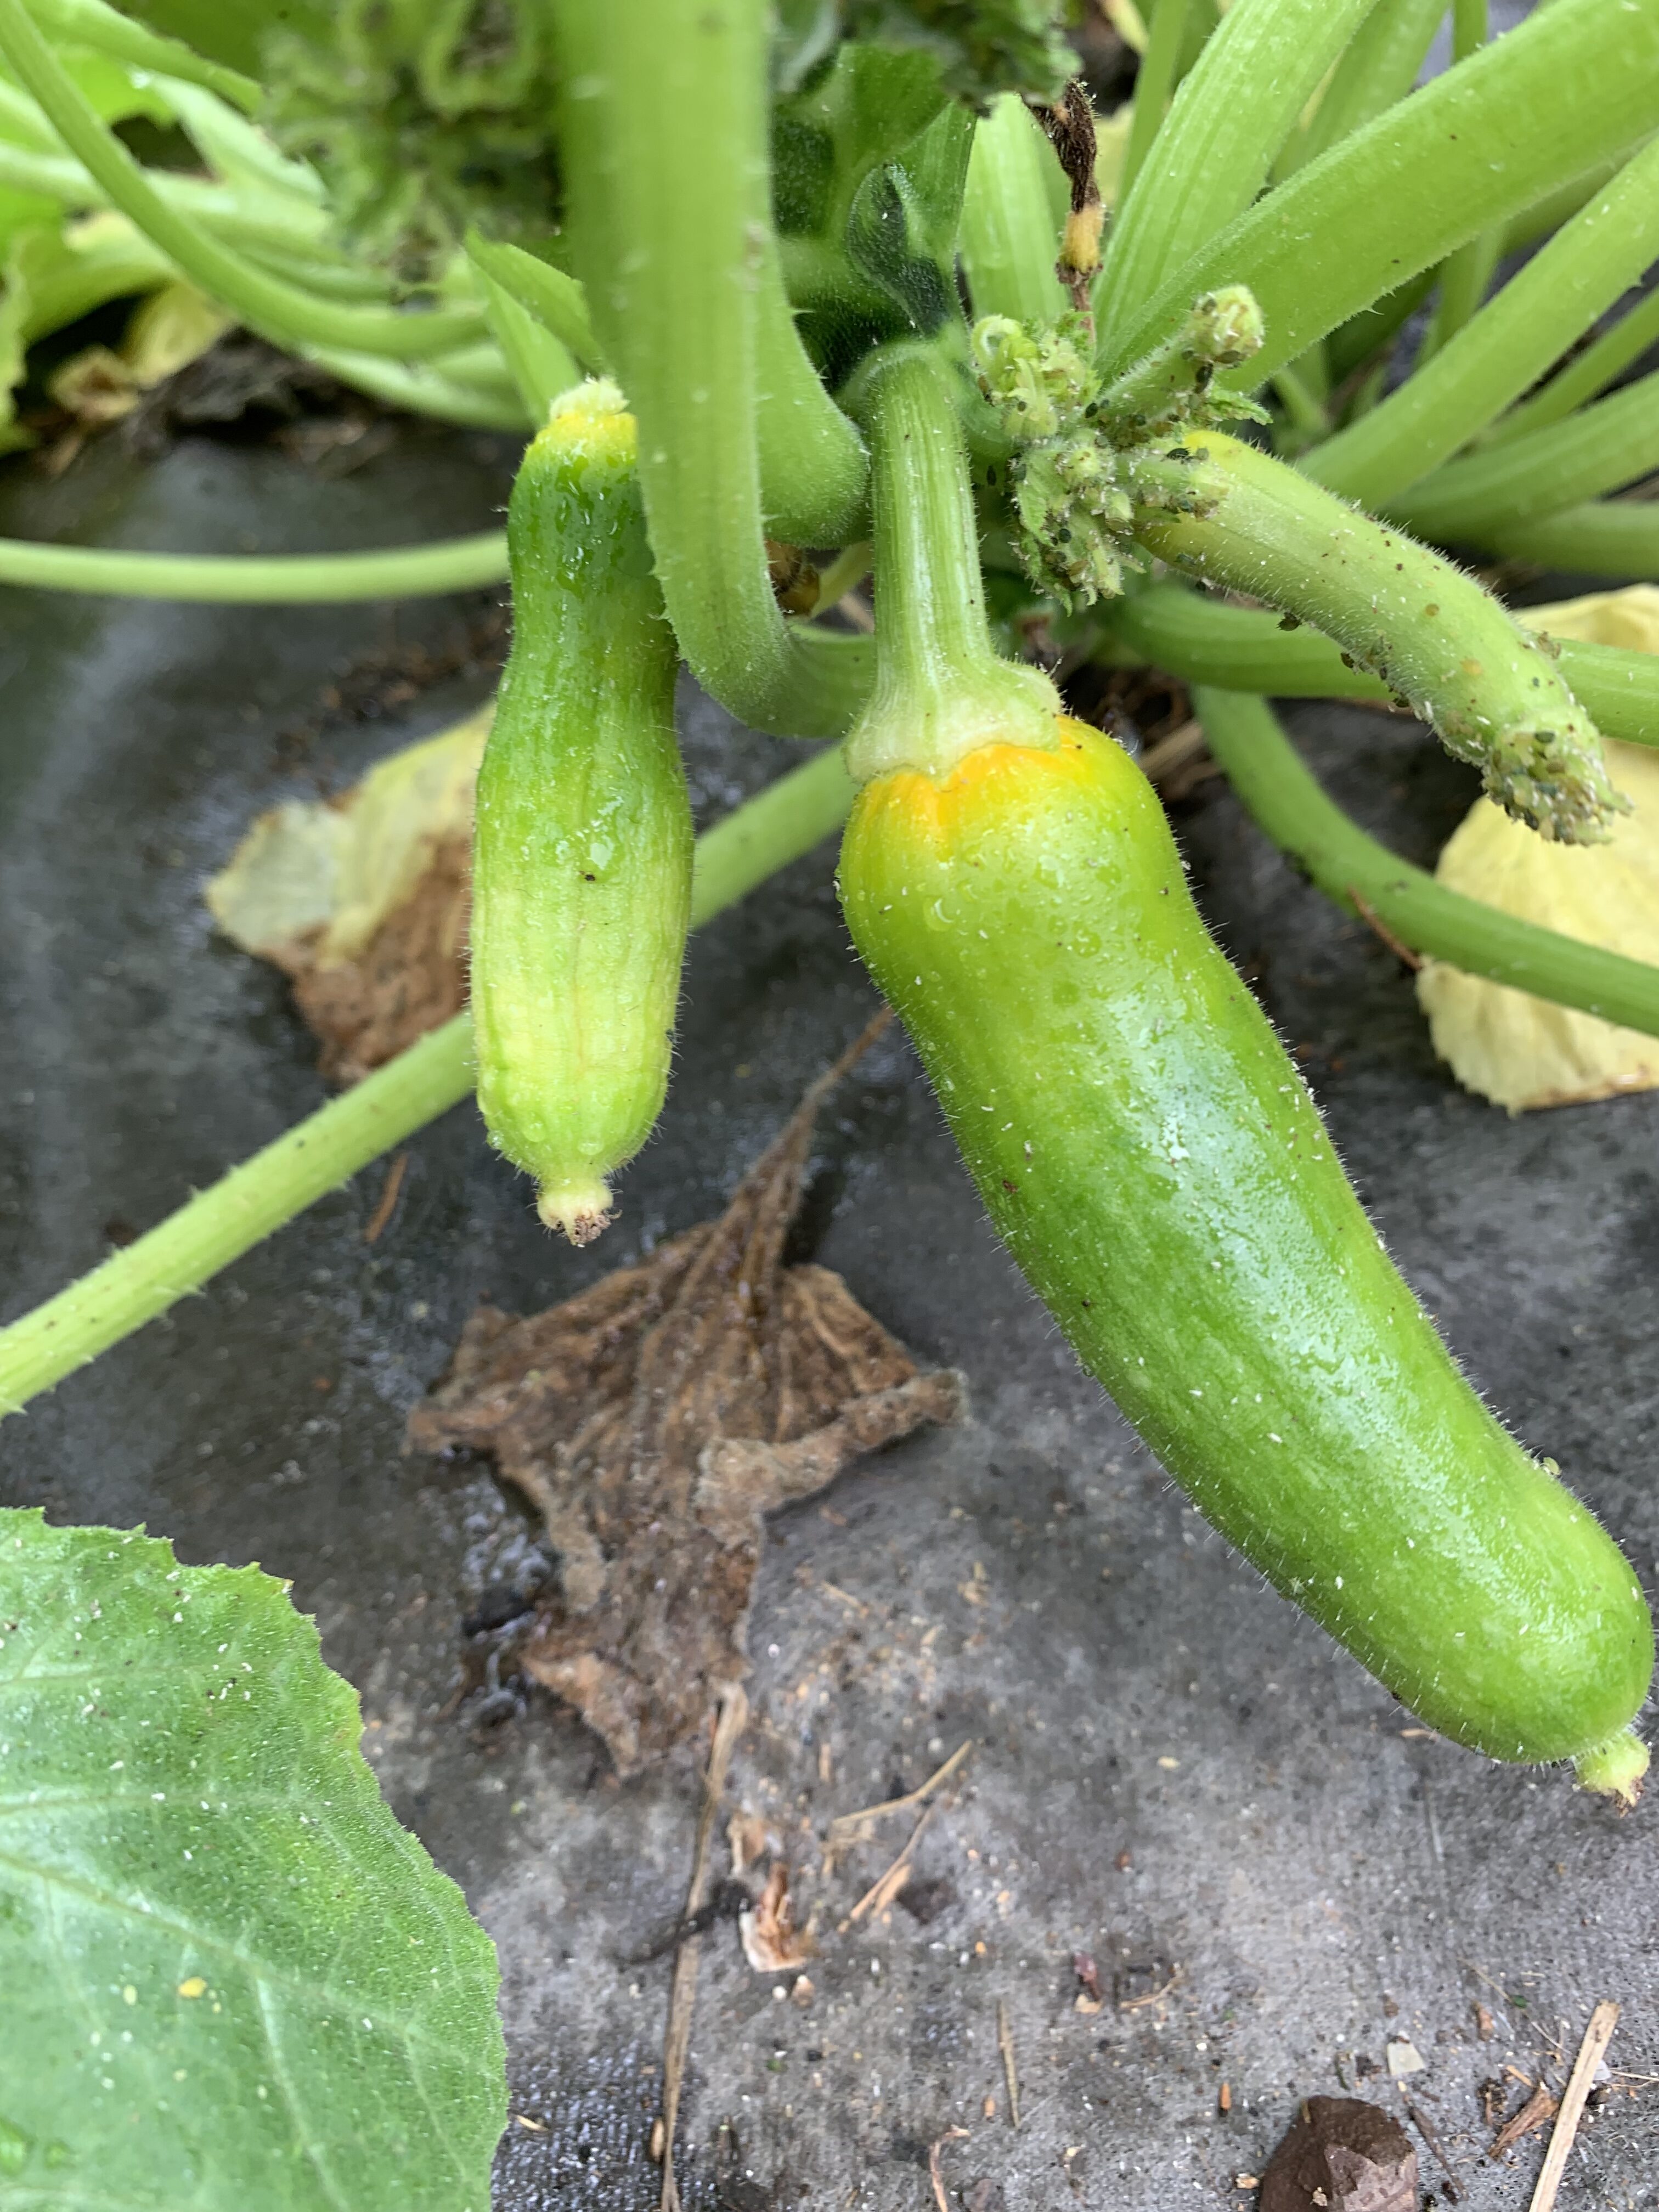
<point>941,689</point>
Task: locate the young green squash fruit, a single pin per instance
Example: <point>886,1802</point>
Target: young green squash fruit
<point>1159,1171</point>
<point>581,882</point>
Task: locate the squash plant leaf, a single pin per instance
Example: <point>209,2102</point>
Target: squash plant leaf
<point>230,1976</point>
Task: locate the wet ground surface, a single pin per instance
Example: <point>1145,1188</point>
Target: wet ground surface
<point>1276,1872</point>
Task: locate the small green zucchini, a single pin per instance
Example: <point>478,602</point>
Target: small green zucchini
<point>581,881</point>
<point>1162,1175</point>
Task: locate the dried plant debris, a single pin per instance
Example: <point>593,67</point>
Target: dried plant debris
<point>771,1942</point>
<point>1342,2153</point>
<point>654,1419</point>
<point>363,900</point>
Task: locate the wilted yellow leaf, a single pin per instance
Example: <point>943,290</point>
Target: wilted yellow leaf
<point>1523,1052</point>
<point>312,880</point>
<point>1628,619</point>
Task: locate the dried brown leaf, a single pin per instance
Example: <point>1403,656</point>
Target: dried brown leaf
<point>655,1420</point>
<point>771,1942</point>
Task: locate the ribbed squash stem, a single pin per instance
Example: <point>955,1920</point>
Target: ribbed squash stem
<point>940,688</point>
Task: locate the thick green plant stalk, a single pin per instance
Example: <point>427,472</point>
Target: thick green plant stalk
<point>664,127</point>
<point>1588,264</point>
<point>542,367</point>
<point>1224,513</point>
<point>1616,539</point>
<point>581,856</point>
<point>1232,648</point>
<point>1349,867</point>
<point>1587,375</point>
<point>328,1147</point>
<point>91,23</point>
<point>938,683</point>
<point>453,564</point>
<point>280,312</point>
<point>1612,443</point>
<point>1523,117</point>
<point>1210,159</point>
<point>1380,67</point>
<point>814,472</point>
<point>1008,228</point>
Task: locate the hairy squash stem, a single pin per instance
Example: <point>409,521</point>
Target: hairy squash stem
<point>1587,376</point>
<point>1522,119</point>
<point>453,564</point>
<point>665,125</point>
<point>1381,66</point>
<point>940,684</point>
<point>1232,648</point>
<point>1526,479</point>
<point>1608,538</point>
<point>1466,273</point>
<point>217,1226</point>
<point>1447,401</point>
<point>1212,154</point>
<point>581,855</point>
<point>1277,790</point>
<point>1159,1168</point>
<point>90,23</point>
<point>1225,512</point>
<point>282,313</point>
<point>1155,81</point>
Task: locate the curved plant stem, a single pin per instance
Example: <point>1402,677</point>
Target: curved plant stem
<point>1506,347</point>
<point>229,1218</point>
<point>1210,159</point>
<point>280,312</point>
<point>1381,66</point>
<point>1232,648</point>
<point>90,23</point>
<point>1232,514</point>
<point>941,689</point>
<point>1611,539</point>
<point>665,125</point>
<point>473,387</point>
<point>1577,81</point>
<point>453,564</point>
<point>1275,787</point>
<point>1008,235</point>
<point>814,471</point>
<point>1587,376</point>
<point>1612,443</point>
<point>557,301</point>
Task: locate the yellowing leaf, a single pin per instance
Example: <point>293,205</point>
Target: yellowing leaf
<point>312,881</point>
<point>1628,619</point>
<point>1523,1052</point>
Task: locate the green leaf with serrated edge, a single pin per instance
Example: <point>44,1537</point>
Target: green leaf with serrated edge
<point>230,1978</point>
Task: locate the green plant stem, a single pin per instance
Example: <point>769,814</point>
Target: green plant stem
<point>90,23</point>
<point>1211,158</point>
<point>489,401</point>
<point>329,1146</point>
<point>1230,515</point>
<point>1286,803</point>
<point>814,471</point>
<point>455,564</point>
<point>1368,337</point>
<point>1155,82</point>
<point>1466,275</point>
<point>1303,406</point>
<point>665,128</point>
<point>1611,538</point>
<point>940,688</point>
<point>1576,83</point>
<point>1561,292</point>
<point>542,368</point>
<point>279,312</point>
<point>1007,238</point>
<point>557,301</point>
<point>1586,377</point>
<point>1614,442</point>
<point>1232,648</point>
<point>1381,66</point>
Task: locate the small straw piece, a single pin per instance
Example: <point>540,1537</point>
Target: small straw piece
<point>1591,2051</point>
